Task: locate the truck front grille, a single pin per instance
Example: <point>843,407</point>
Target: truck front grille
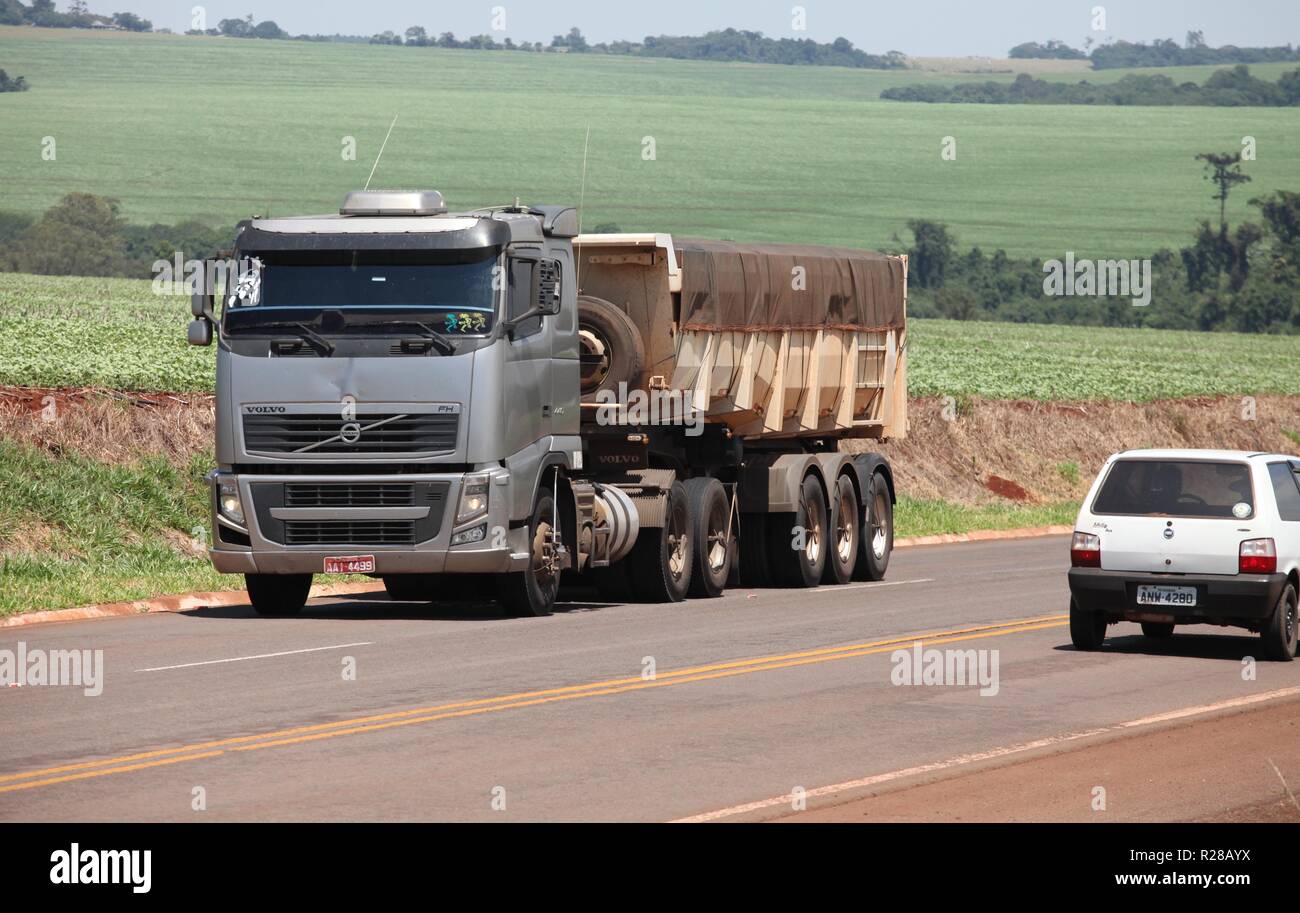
<point>329,433</point>
<point>354,494</point>
<point>349,532</point>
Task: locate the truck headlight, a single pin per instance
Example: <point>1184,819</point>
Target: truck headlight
<point>473,498</point>
<point>228,502</point>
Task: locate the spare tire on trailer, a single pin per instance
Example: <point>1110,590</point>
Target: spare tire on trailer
<point>611,350</point>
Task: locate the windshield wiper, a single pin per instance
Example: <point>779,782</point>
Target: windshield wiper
<point>305,333</point>
<point>444,346</point>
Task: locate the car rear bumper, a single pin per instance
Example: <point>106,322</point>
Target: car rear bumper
<point>1222,599</point>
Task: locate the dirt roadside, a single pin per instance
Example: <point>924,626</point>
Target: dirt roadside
<point>1244,766</point>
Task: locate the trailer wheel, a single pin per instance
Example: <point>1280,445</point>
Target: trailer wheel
<point>532,592</point>
<point>845,531</point>
<point>797,549</point>
<point>659,565</point>
<point>611,350</point>
<point>710,510</point>
<point>878,531</point>
<point>277,594</point>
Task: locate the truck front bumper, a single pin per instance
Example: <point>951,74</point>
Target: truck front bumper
<point>274,519</point>
<point>1219,599</point>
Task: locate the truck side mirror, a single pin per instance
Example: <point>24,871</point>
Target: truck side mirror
<point>200,332</point>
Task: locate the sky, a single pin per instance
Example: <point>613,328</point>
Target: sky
<point>922,28</point>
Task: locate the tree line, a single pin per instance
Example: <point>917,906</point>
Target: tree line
<point>43,14</point>
<point>1244,278</point>
<point>1233,87</point>
<point>1160,53</point>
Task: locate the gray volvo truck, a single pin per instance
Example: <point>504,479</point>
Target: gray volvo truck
<point>487,404</point>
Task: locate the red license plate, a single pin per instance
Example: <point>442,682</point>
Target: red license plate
<point>350,564</point>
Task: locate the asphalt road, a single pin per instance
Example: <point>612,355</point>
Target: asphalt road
<point>454,713</point>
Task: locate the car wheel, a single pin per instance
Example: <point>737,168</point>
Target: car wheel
<point>1087,629</point>
<point>1279,632</point>
<point>1157,630</point>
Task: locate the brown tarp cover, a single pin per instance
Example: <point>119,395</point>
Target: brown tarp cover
<point>730,286</point>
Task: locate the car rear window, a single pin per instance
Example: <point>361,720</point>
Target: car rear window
<point>1286,486</point>
<point>1176,488</point>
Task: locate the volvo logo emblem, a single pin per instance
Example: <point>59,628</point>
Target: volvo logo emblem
<point>350,433</point>
<point>1169,533</point>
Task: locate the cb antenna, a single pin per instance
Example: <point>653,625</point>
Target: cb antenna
<point>381,152</point>
<point>582,193</point>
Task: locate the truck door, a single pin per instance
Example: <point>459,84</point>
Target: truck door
<point>564,349</point>
<point>528,383</point>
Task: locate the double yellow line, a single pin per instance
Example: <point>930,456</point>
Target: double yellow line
<point>301,734</point>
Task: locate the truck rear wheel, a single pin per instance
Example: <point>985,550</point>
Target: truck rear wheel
<point>611,350</point>
<point>710,510</point>
<point>277,594</point>
<point>845,530</point>
<point>877,531</point>
<point>797,551</point>
<point>532,592</point>
<point>659,565</point>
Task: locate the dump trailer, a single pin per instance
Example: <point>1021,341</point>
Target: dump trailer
<point>490,404</point>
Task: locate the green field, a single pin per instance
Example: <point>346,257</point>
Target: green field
<point>60,331</point>
<point>218,129</point>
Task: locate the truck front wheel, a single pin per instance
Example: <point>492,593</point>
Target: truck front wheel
<point>532,591</point>
<point>277,594</point>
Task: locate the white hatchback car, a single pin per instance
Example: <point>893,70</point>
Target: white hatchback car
<point>1176,537</point>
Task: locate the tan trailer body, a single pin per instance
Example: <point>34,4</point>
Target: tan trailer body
<point>772,340</point>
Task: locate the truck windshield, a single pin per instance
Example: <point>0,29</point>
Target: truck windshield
<point>1177,488</point>
<point>365,292</point>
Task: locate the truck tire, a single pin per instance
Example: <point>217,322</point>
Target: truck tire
<point>531,593</point>
<point>277,594</point>
<point>659,565</point>
<point>1157,630</point>
<point>611,350</point>
<point>1087,629</point>
<point>877,531</point>
<point>845,531</point>
<point>710,509</point>
<point>807,527</point>
<point>1279,634</point>
<point>408,587</point>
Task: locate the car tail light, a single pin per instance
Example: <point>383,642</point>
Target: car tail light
<point>1085,550</point>
<point>1257,556</point>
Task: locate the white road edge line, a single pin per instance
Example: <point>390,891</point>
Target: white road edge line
<point>963,760</point>
<point>879,583</point>
<point>240,659</point>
